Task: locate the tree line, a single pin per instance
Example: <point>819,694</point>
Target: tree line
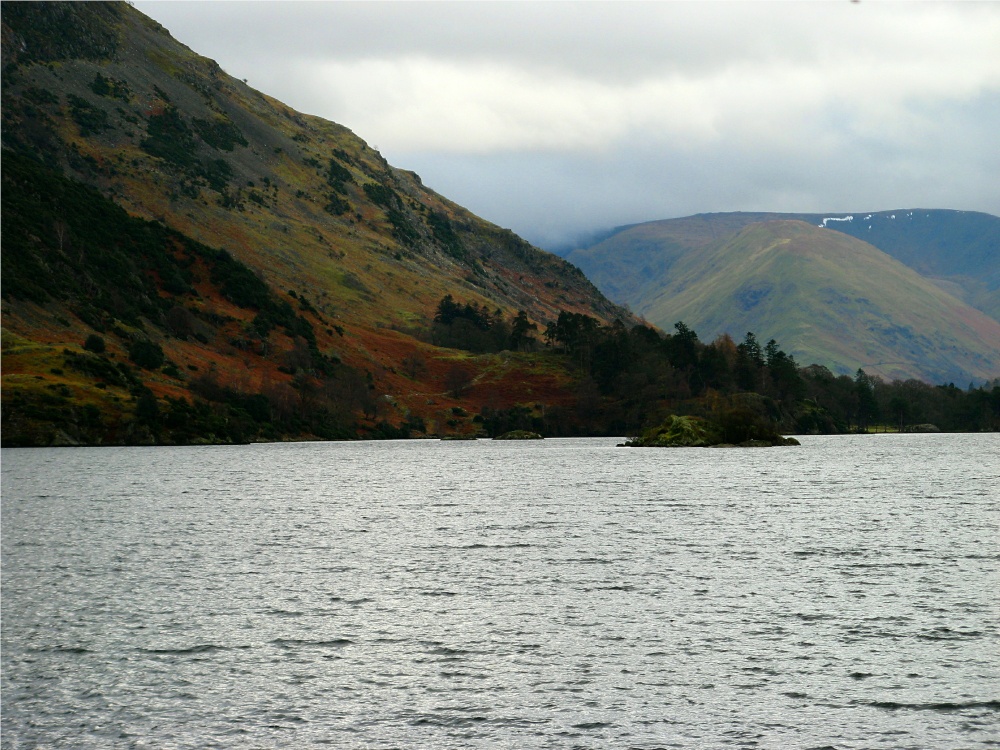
<point>630,377</point>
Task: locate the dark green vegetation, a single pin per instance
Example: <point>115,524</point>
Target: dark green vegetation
<point>734,428</point>
<point>168,135</point>
<point>52,32</point>
<point>631,380</point>
<point>640,377</point>
<point>134,282</point>
<point>831,298</point>
<point>474,328</point>
<point>143,286</point>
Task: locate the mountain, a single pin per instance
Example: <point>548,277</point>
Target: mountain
<point>959,250</point>
<point>826,296</point>
<point>151,200</point>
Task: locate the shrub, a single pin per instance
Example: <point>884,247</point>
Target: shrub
<point>336,205</point>
<point>95,344</point>
<point>110,87</point>
<point>90,119</point>
<point>146,354</point>
<point>338,175</point>
<point>170,139</point>
<point>381,195</point>
<point>220,134</point>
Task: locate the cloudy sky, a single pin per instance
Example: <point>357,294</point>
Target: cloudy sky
<point>557,119</point>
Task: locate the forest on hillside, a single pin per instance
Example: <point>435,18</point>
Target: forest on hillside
<point>630,378</point>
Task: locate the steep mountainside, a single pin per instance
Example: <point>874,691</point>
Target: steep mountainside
<point>959,250</point>
<point>829,298</point>
<point>270,245</point>
<point>171,137</point>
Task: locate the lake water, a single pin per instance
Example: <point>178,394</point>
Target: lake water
<point>553,594</point>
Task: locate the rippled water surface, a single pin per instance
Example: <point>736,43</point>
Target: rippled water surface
<point>555,594</point>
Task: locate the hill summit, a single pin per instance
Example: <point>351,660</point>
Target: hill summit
<point>830,297</point>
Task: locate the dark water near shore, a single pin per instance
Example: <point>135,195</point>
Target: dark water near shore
<point>556,594</point>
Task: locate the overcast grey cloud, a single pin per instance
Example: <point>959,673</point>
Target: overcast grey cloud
<point>561,118</point>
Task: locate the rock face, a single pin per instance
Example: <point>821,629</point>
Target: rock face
<point>695,432</point>
<point>519,435</point>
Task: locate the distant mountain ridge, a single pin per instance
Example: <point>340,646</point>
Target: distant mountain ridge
<point>960,250</point>
<point>698,269</point>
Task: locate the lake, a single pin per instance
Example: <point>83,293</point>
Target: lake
<point>541,594</point>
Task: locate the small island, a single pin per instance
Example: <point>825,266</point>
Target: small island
<point>519,435</point>
<point>696,432</point>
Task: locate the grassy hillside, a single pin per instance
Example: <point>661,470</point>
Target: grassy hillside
<point>958,250</point>
<point>831,300</point>
<point>631,263</point>
<point>151,199</point>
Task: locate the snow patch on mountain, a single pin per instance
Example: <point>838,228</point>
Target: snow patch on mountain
<point>835,218</point>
